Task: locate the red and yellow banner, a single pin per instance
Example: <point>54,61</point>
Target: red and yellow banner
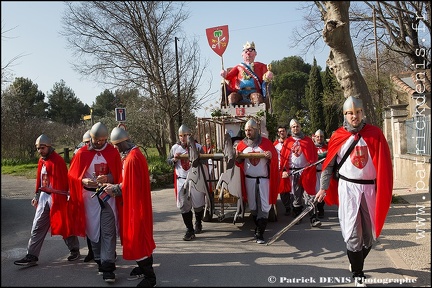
<point>218,38</point>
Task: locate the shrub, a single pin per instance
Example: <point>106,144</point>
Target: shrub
<point>160,171</point>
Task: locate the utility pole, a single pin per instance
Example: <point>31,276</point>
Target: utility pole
<point>178,83</point>
<point>380,100</point>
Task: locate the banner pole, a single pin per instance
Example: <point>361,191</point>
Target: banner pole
<point>224,86</point>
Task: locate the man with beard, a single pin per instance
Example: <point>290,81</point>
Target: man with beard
<point>364,187</point>
<point>298,152</point>
<point>261,176</point>
<point>181,170</point>
<point>51,204</point>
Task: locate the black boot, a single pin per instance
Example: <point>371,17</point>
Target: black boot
<point>262,224</point>
<point>297,211</point>
<point>198,221</point>
<point>356,260</point>
<point>313,218</point>
<point>90,255</point>
<point>190,233</point>
<point>366,251</point>
<point>314,221</point>
<point>100,271</point>
<point>146,267</point>
<point>107,270</point>
<point>320,207</point>
<point>254,217</point>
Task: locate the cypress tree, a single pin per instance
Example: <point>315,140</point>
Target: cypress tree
<point>314,97</point>
<point>333,100</point>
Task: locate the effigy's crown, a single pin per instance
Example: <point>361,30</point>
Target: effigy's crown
<point>249,45</point>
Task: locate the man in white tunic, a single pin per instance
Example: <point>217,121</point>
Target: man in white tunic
<point>364,184</point>
<point>186,202</point>
<point>261,175</point>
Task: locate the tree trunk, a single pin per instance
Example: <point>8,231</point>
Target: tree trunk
<point>172,131</point>
<point>342,59</point>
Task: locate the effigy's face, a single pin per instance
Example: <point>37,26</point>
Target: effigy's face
<point>249,55</point>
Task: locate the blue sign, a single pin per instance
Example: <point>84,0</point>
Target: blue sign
<point>120,114</point>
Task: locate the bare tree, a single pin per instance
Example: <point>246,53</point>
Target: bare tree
<point>400,23</point>
<point>395,28</point>
<point>130,44</point>
<point>7,64</point>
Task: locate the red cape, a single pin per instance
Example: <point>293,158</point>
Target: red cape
<point>284,183</point>
<point>78,166</point>
<point>265,145</point>
<point>308,176</point>
<point>58,171</point>
<point>136,227</point>
<point>208,150</point>
<point>380,154</point>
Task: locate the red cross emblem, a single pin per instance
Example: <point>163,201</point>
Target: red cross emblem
<point>359,156</point>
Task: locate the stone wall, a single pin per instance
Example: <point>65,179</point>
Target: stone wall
<point>412,170</point>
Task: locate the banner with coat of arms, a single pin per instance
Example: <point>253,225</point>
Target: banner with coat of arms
<point>218,38</point>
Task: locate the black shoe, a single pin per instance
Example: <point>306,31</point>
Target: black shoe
<point>136,274</point>
<point>315,222</point>
<point>147,282</point>
<point>89,257</point>
<point>100,270</point>
<point>359,282</point>
<point>198,228</point>
<point>29,260</point>
<point>296,214</point>
<point>297,211</point>
<point>359,279</point>
<point>74,255</point>
<point>109,276</point>
<point>190,235</point>
<point>260,239</point>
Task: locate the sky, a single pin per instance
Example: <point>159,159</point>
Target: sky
<point>33,34</point>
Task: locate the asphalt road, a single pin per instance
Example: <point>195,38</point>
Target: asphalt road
<point>224,254</point>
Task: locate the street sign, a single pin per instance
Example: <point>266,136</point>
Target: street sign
<point>87,117</point>
<point>120,114</point>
